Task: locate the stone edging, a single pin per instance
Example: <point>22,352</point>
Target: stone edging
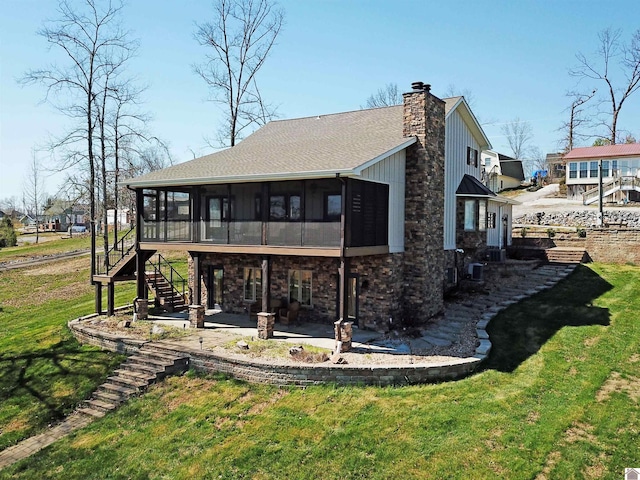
<point>257,371</point>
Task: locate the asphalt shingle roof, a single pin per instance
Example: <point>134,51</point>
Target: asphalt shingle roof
<point>320,145</point>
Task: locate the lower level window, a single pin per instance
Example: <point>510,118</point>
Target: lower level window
<point>475,215</point>
<point>300,287</point>
<point>252,284</point>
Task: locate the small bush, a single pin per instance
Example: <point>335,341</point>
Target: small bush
<point>551,232</point>
<point>582,233</point>
<point>523,232</point>
<point>7,233</point>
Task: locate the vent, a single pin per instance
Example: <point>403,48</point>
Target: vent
<point>475,271</point>
<point>497,255</point>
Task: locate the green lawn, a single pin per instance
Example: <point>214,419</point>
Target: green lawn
<point>44,372</point>
<point>24,252</point>
<point>559,399</point>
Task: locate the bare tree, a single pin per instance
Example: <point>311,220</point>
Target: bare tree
<point>90,38</point>
<point>239,40</point>
<point>453,91</point>
<point>518,133</point>
<point>576,119</point>
<point>387,96</point>
<point>33,193</point>
<point>609,54</point>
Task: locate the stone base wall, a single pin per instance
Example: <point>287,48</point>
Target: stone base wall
<point>380,283</point>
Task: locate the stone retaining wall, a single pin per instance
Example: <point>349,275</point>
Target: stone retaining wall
<point>255,371</point>
<point>584,218</point>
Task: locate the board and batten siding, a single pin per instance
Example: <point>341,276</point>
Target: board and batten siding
<point>495,236</point>
<point>391,170</point>
<point>457,138</point>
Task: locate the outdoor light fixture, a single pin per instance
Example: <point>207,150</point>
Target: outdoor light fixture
<point>201,340</point>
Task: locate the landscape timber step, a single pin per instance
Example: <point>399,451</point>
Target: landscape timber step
<point>565,255</point>
<point>133,377</point>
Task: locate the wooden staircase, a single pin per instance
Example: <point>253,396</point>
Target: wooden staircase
<point>151,364</point>
<point>566,255</point>
<point>167,296</point>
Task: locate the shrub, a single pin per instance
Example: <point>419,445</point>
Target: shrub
<point>7,233</point>
<point>582,233</point>
<point>523,232</point>
<point>551,232</point>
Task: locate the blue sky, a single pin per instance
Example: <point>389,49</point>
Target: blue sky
<point>513,56</point>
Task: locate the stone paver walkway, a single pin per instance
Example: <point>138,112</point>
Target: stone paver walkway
<point>31,445</point>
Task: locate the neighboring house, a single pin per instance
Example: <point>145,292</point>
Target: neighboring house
<point>556,167</point>
<point>501,172</point>
<point>359,215</point>
<point>2,214</point>
<point>620,170</point>
<point>27,220</point>
<point>124,218</point>
<point>61,215</point>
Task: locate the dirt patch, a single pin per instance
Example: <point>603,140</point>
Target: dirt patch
<point>619,384</point>
<point>59,268</point>
<point>258,408</point>
<point>552,460</point>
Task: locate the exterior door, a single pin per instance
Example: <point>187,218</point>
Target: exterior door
<point>215,277</point>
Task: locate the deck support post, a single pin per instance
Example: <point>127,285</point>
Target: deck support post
<point>110,298</point>
<point>265,284</point>
<point>98,297</point>
<point>141,281</point>
<point>197,279</point>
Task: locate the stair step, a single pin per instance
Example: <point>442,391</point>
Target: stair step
<point>91,412</point>
<point>101,406</point>
<point>123,387</point>
<point>142,368</point>
<point>149,361</point>
<point>135,375</point>
<point>106,396</point>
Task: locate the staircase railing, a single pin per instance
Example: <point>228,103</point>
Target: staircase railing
<point>161,266</point>
<point>618,183</point>
<point>120,250</point>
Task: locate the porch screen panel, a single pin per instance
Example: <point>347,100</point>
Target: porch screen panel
<point>149,215</point>
<point>178,216</point>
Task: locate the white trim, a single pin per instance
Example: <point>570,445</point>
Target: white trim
<point>358,170</point>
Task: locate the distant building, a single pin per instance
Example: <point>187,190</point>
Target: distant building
<point>501,172</point>
<point>620,172</point>
<point>555,167</point>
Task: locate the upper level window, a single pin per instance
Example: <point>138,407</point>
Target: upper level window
<point>593,169</point>
<point>573,170</point>
<point>487,162</point>
<point>284,207</point>
<point>472,157</point>
<point>583,169</point>
<point>332,207</point>
<point>605,168</point>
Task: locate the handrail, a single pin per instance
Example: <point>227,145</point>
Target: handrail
<point>616,183</point>
<point>161,266</point>
<point>116,253</point>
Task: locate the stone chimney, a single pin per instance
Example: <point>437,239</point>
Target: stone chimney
<point>423,117</point>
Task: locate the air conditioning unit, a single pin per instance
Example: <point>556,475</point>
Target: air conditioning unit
<point>497,255</point>
<point>475,271</point>
<point>452,275</point>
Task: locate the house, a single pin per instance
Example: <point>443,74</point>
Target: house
<point>556,167</point>
<point>500,171</point>
<point>61,215</point>
<point>620,168</point>
<point>367,215</point>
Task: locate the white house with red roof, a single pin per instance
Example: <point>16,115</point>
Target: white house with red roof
<point>620,173</point>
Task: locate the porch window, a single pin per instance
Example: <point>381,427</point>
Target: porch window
<point>573,170</point>
<point>482,215</point>
<point>300,287</point>
<point>283,207</point>
<point>583,169</point>
<point>332,207</point>
<point>469,215</point>
<point>252,284</point>
<point>593,169</point>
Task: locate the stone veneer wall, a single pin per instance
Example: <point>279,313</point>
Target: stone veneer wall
<point>380,278</point>
<point>424,206</point>
<point>470,242</point>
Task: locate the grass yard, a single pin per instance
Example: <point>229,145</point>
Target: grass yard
<point>44,372</point>
<point>559,399</point>
<point>52,247</point>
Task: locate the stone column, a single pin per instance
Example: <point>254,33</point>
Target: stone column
<point>343,334</point>
<point>196,316</point>
<point>142,308</point>
<point>266,321</point>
